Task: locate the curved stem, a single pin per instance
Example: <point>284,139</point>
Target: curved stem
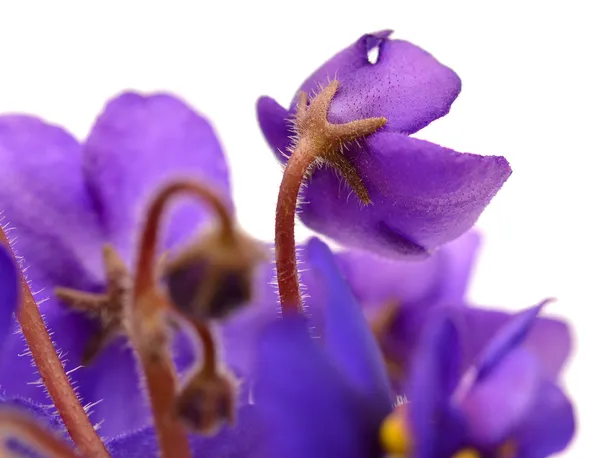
<point>14,424</point>
<point>156,362</point>
<point>149,243</point>
<point>209,347</point>
<point>285,218</point>
<point>53,374</point>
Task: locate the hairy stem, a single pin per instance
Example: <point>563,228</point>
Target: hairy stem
<point>53,374</point>
<point>151,231</point>
<point>285,218</point>
<point>149,304</point>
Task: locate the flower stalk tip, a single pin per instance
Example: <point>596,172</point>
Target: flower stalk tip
<point>317,141</point>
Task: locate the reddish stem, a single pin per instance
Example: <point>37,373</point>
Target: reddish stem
<point>209,347</point>
<point>285,218</point>
<point>17,425</point>
<point>161,382</point>
<point>53,374</point>
<point>151,231</point>
<point>158,368</point>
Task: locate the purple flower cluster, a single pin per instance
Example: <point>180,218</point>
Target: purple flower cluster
<point>388,358</point>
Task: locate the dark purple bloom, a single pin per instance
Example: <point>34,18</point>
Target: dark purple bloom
<point>322,397</point>
<point>504,402</point>
<point>424,195</point>
<point>62,200</point>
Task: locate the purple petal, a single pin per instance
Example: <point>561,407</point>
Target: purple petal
<point>423,195</point>
<point>45,205</point>
<point>9,294</point>
<point>345,62</point>
<point>239,441</point>
<point>457,259</point>
<point>306,405</point>
<point>550,425</point>
<point>274,121</point>
<point>499,332</point>
<point>548,339</point>
<point>240,332</point>
<point>434,375</point>
<point>137,144</point>
<point>439,280</point>
<point>506,339</point>
<point>406,85</point>
<point>495,405</point>
<point>347,337</point>
<point>115,367</point>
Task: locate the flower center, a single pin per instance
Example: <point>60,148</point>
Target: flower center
<point>395,434</point>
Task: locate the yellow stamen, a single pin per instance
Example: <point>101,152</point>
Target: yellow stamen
<point>395,436</point>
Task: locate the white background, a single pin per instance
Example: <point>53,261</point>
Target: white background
<point>529,93</point>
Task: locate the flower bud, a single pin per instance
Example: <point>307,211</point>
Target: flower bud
<point>206,401</point>
<point>213,276</point>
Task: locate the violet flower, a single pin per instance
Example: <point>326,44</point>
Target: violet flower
<point>399,297</point>
<point>504,405</point>
<point>423,195</point>
<point>238,442</point>
<point>62,200</point>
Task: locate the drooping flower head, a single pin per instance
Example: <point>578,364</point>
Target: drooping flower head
<point>423,195</point>
<point>63,201</point>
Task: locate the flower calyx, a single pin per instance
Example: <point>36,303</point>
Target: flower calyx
<point>108,308</point>
<point>327,141</point>
<point>214,275</point>
<point>206,401</point>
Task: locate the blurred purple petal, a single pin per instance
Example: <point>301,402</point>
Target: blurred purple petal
<point>239,441</point>
<point>114,367</point>
<point>506,339</point>
<point>44,198</point>
<point>435,372</point>
<point>423,195</point>
<point>547,338</point>
<point>348,339</point>
<point>549,427</point>
<point>439,280</point>
<point>58,236</point>
<point>137,144</point>
<point>240,332</point>
<point>496,404</point>
<point>307,407</point>
<point>9,294</point>
<point>275,126</point>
